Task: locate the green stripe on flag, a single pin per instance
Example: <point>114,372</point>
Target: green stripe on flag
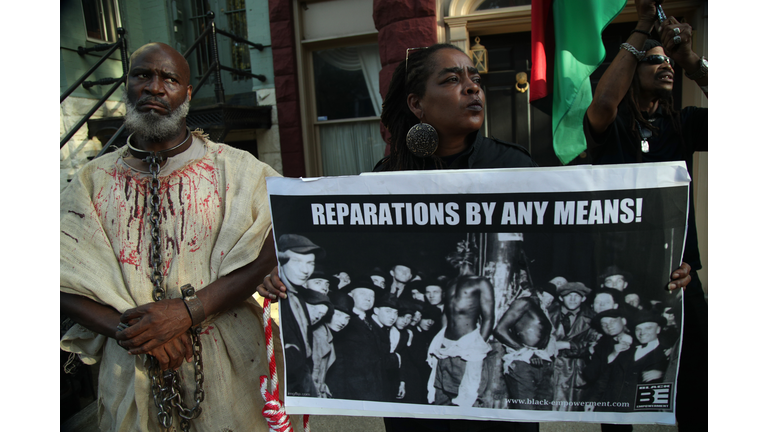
<point>579,51</point>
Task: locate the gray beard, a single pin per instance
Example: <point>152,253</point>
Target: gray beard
<point>151,126</point>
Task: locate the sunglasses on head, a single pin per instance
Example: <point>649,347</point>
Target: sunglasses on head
<point>408,53</point>
<point>658,59</point>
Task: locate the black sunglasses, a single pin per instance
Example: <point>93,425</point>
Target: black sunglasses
<point>658,59</point>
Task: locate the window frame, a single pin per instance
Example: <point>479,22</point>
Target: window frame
<point>311,130</point>
<point>108,28</point>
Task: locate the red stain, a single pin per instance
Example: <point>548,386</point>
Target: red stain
<point>208,332</point>
<point>132,258</point>
<point>196,188</point>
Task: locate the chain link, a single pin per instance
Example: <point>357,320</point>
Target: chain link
<point>166,387</point>
<point>158,293</point>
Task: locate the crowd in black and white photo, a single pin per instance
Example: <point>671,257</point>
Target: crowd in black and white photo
<point>397,333</point>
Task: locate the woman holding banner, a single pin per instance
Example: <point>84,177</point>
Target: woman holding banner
<point>434,110</point>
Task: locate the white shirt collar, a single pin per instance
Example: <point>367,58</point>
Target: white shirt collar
<point>643,350</point>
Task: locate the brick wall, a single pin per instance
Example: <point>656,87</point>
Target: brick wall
<point>402,24</point>
<point>286,87</point>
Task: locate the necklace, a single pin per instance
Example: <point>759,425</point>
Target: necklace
<point>162,154</point>
<point>644,134</point>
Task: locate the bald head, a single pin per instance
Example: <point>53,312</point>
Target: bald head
<point>173,58</point>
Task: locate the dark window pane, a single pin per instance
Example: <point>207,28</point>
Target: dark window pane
<point>94,21</point>
<point>340,88</point>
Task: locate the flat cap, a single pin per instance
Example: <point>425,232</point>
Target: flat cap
<point>299,244</point>
<point>577,287</point>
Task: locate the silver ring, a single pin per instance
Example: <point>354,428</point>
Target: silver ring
<point>676,30</point>
<point>677,40</point>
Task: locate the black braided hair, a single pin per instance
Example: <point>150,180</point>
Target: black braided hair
<point>666,103</point>
<point>395,114</point>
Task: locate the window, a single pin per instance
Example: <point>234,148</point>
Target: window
<point>102,18</point>
<point>203,55</point>
<point>347,108</point>
<point>241,56</point>
<point>342,68</point>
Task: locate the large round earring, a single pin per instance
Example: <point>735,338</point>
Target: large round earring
<point>422,140</point>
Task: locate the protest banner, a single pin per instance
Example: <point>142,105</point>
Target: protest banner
<point>546,288</point>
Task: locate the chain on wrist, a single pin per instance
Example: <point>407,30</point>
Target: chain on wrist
<point>194,305</point>
<point>639,55</point>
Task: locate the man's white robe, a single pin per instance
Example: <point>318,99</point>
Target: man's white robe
<point>214,219</point>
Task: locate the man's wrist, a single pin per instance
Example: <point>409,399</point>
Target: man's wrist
<point>632,50</point>
<point>642,32</point>
<point>645,25</point>
<point>696,69</point>
<point>193,304</point>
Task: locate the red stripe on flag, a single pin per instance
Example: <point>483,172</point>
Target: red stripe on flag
<point>542,48</point>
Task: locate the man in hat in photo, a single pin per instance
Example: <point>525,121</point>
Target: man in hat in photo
<point>574,336</point>
<point>342,312</point>
<point>434,293</point>
<point>644,362</point>
<point>402,338</point>
<point>416,290</point>
<point>379,277</point>
<point>614,277</point>
<point>323,351</point>
<point>632,298</point>
<point>296,255</point>
<point>401,274</point>
<point>527,333</point>
<point>385,312</point>
<point>649,361</point>
<point>615,338</point>
<point>606,298</point>
<point>319,281</point>
<point>358,372</point>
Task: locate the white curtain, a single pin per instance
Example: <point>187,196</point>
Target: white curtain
<point>350,148</point>
<point>371,65</point>
<point>365,58</point>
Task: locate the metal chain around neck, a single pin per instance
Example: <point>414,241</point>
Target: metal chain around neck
<point>166,389</point>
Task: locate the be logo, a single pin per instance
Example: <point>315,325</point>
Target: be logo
<point>654,396</point>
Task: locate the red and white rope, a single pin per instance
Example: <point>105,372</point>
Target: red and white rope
<point>274,409</point>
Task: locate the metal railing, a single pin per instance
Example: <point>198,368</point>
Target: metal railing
<point>122,45</point>
<point>214,68</point>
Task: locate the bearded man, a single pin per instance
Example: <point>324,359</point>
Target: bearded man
<point>170,212</point>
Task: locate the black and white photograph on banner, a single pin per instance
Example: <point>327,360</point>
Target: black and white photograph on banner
<point>502,294</point>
